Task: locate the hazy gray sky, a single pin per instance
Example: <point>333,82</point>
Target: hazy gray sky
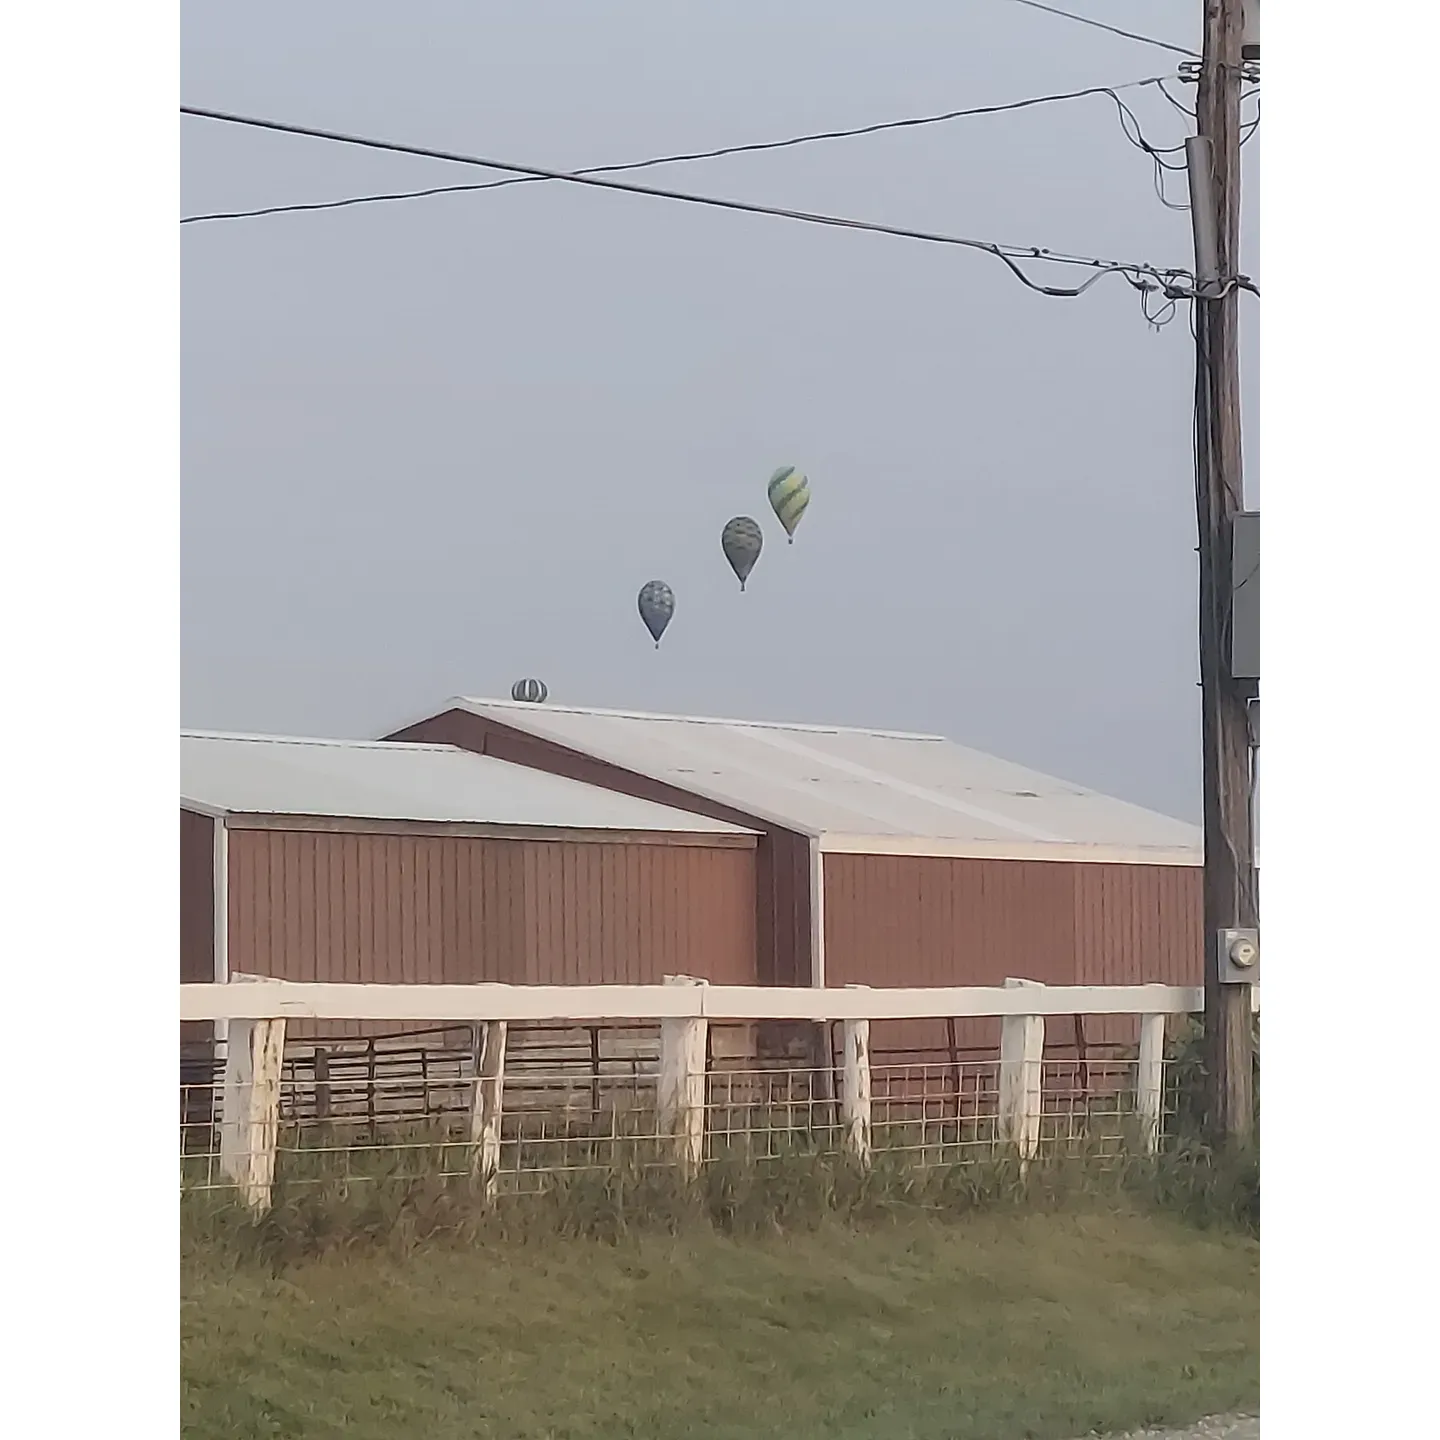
<point>435,446</point>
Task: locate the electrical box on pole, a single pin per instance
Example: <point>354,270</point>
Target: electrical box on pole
<point>1244,656</point>
<point>1237,955</point>
<point>1250,31</point>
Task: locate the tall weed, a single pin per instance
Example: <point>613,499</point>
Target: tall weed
<point>796,1190</point>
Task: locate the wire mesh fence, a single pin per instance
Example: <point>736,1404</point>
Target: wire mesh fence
<point>578,1099</point>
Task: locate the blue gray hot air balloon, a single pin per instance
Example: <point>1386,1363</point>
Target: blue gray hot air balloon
<point>741,541</point>
<point>657,605</point>
<point>532,692</point>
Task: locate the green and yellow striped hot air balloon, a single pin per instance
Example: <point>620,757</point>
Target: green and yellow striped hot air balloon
<point>789,494</point>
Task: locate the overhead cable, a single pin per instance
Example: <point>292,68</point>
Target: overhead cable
<point>755,147</point>
<point>1174,282</point>
<point>1113,29</point>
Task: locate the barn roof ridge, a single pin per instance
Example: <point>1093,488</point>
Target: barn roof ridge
<point>804,727</point>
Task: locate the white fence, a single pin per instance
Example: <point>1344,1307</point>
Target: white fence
<point>694,1110</point>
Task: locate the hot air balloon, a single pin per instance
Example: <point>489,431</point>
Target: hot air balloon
<point>741,541</point>
<point>657,605</point>
<point>789,494</point>
<point>532,692</point>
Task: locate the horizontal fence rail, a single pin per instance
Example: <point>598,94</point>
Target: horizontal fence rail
<point>272,999</point>
<point>511,1086</point>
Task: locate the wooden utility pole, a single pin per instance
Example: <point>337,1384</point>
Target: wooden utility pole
<point>1230,898</point>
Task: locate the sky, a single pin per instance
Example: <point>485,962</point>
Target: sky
<point>432,447</point>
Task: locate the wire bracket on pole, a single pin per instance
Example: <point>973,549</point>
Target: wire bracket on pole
<point>1188,72</point>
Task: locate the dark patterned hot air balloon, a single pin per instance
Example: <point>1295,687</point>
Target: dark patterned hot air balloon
<point>789,493</point>
<point>657,605</point>
<point>741,541</point>
<point>532,692</point>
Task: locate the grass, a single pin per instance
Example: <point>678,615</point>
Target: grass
<point>792,1298</point>
<point>997,1327</point>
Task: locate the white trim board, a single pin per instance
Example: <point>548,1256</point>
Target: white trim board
<point>1064,852</point>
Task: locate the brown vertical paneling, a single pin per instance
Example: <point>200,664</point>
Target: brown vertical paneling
<point>464,885</point>
<point>406,902</point>
<point>460,908</point>
<point>197,915</point>
<point>627,918</point>
<point>463,945</point>
<point>913,920</point>
<point>534,917</point>
<point>611,939</point>
<point>451,915</point>
<point>1135,924</point>
<point>781,899</point>
<point>900,920</point>
<point>247,900</point>
<point>197,897</point>
<point>782,908</point>
<point>335,916</point>
<point>510,928</point>
<point>765,910</point>
<point>615,914</point>
<point>389,923</point>
<point>894,920</point>
<point>308,921</point>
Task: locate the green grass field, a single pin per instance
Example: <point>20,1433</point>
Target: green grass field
<point>991,1326</point>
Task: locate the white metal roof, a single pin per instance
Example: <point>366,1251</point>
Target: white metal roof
<point>374,780</point>
<point>864,791</point>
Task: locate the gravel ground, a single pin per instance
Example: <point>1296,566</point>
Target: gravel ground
<point>1216,1427</point>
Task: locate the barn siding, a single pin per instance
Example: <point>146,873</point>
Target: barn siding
<point>631,914</point>
<point>926,920</point>
<point>197,897</point>
<point>901,920</point>
<point>197,912</point>
<point>910,920</point>
<point>425,909</point>
<point>781,887</point>
<point>782,907</point>
<point>1136,924</point>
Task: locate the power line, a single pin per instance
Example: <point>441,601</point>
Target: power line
<point>1180,105</point>
<point>1183,108</point>
<point>1168,281</point>
<point>1248,129</point>
<point>748,149</point>
<point>1130,125</point>
<point>1113,29</point>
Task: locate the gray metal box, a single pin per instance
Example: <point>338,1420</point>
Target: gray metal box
<point>1244,656</point>
<point>1231,947</point>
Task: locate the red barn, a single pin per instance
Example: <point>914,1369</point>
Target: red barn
<point>886,858</point>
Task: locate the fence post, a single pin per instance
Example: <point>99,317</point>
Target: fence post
<point>487,1105</point>
<point>855,1087</point>
<point>1149,1080</point>
<point>1022,1049</point>
<point>234,1099</point>
<point>250,1107</point>
<point>680,1101</point>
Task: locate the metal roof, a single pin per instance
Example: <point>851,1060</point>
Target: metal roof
<point>864,791</point>
<point>375,780</point>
